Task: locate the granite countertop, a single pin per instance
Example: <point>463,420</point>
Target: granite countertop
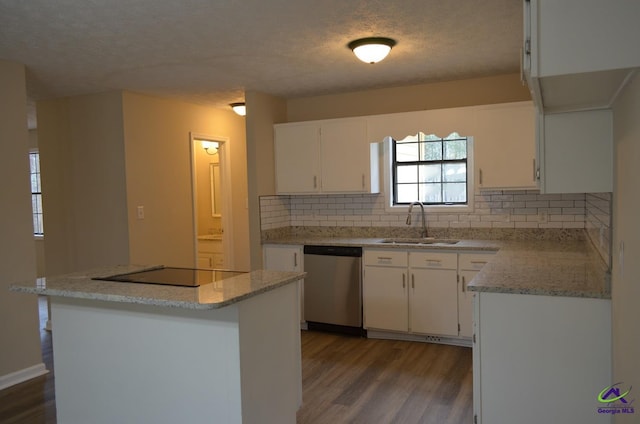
<point>216,295</point>
<point>570,268</point>
<point>377,242</point>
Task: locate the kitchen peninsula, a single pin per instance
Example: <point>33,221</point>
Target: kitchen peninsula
<point>226,351</point>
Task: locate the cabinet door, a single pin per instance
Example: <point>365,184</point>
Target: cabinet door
<point>578,152</point>
<point>297,158</point>
<point>505,146</point>
<point>345,156</point>
<point>205,260</point>
<point>433,302</point>
<point>385,298</point>
<point>465,304</point>
<point>286,258</point>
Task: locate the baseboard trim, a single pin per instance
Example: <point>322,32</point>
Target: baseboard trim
<point>22,375</point>
<point>410,337</point>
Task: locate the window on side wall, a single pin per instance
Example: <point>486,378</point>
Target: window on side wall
<point>36,193</point>
<point>431,169</point>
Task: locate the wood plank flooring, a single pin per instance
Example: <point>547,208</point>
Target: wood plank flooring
<point>355,380</point>
<point>345,380</point>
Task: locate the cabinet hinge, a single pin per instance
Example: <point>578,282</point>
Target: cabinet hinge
<point>475,419</point>
<point>458,328</point>
<point>474,337</point>
<point>527,47</point>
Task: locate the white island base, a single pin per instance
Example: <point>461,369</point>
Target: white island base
<point>130,363</point>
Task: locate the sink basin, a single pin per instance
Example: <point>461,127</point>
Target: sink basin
<point>418,241</point>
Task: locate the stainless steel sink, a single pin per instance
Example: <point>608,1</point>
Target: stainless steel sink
<point>418,241</point>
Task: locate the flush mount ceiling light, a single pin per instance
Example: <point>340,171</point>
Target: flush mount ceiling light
<point>371,49</point>
<point>239,108</point>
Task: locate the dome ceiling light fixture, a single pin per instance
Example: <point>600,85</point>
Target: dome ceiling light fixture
<point>239,108</point>
<point>371,49</point>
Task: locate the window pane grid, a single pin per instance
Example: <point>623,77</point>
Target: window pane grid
<point>36,193</point>
<point>430,169</point>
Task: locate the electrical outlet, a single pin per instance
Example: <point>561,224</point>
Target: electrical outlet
<point>140,212</point>
<point>543,216</point>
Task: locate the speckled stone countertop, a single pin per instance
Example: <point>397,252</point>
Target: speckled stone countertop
<point>569,268</point>
<point>208,296</point>
<point>551,268</point>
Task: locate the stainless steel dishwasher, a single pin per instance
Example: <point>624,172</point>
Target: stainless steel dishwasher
<point>333,288</point>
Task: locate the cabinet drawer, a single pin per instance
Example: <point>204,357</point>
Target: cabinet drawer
<point>210,246</point>
<point>474,261</point>
<point>385,258</point>
<point>435,260</point>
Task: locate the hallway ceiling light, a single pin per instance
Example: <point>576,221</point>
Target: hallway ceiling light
<point>239,108</point>
<point>371,49</point>
<point>211,147</point>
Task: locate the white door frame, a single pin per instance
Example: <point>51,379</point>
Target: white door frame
<point>225,172</point>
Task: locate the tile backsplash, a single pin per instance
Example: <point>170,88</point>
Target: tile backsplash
<point>524,209</point>
<point>598,222</point>
<point>492,209</point>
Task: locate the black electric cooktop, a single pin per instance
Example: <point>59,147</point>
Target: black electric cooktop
<point>184,277</point>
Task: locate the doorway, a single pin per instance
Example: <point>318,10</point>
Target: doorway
<point>211,205</point>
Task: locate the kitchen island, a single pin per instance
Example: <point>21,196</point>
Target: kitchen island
<point>227,351</point>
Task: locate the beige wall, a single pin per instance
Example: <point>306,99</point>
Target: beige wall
<point>263,111</point>
<point>471,92</point>
<point>19,335</point>
<point>625,276</point>
<point>158,169</point>
<point>83,182</point>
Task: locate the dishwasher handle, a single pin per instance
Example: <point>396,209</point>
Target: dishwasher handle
<point>333,251</point>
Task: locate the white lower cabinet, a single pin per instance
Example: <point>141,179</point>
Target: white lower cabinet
<point>433,298</point>
<point>279,257</point>
<point>210,254</point>
<point>384,290</point>
<point>410,292</point>
<point>469,264</point>
<point>528,349</point>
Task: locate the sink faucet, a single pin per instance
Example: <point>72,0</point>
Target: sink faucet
<point>424,224</point>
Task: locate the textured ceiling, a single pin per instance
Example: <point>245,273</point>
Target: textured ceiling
<point>212,51</point>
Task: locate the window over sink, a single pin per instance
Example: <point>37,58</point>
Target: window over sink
<point>431,169</point>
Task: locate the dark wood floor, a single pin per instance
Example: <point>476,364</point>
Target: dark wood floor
<point>345,380</point>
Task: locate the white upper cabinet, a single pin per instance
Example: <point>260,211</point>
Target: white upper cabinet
<point>578,54</point>
<point>505,146</point>
<point>577,152</point>
<point>346,158</point>
<point>331,156</point>
<point>297,158</point>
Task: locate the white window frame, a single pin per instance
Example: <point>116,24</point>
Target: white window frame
<point>387,166</point>
<point>33,212</point>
